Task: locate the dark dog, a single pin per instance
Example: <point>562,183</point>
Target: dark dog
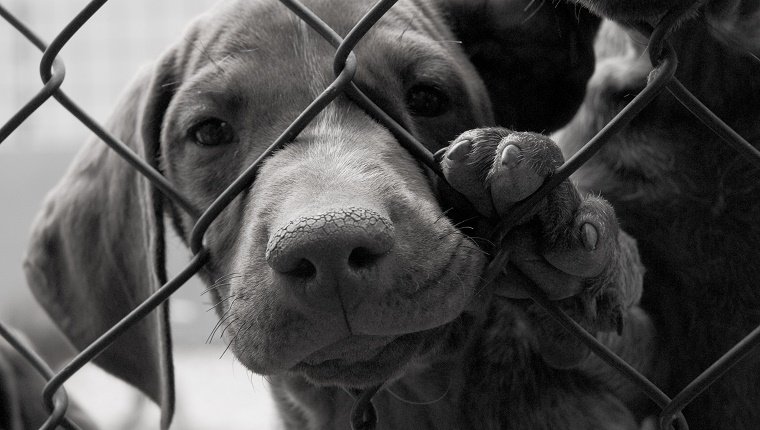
<point>338,268</point>
<point>688,198</point>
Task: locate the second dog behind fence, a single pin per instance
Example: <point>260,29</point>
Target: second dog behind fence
<point>689,198</point>
<point>347,267</point>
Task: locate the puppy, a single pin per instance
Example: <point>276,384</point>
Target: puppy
<point>342,267</point>
<point>688,198</point>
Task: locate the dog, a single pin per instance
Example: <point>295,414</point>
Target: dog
<point>345,265</point>
<point>688,198</point>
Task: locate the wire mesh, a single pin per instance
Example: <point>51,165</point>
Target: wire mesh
<point>363,415</point>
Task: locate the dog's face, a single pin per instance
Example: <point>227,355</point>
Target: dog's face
<point>645,161</point>
<point>340,263</point>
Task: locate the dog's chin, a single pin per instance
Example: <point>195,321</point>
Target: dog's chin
<point>365,361</point>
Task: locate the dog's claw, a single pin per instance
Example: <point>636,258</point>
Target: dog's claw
<point>510,156</point>
<point>496,167</point>
<point>590,236</point>
<point>459,150</point>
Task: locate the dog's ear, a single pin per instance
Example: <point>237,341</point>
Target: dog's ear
<point>534,56</point>
<point>97,247</point>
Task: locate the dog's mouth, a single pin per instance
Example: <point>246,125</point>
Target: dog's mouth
<point>351,349</point>
<point>362,361</point>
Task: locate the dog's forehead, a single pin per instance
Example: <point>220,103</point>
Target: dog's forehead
<point>257,44</point>
<point>269,25</point>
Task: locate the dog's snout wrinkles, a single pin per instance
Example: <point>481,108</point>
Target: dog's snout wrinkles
<point>337,246</point>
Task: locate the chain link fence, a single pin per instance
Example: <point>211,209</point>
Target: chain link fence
<point>663,57</point>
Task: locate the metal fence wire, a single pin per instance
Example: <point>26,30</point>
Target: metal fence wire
<point>363,415</point>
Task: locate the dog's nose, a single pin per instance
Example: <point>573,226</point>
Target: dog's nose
<point>338,247</point>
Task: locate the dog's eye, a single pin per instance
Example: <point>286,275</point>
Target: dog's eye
<point>212,132</point>
<point>426,100</point>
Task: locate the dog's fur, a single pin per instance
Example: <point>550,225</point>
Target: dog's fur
<point>416,316</point>
<point>688,197</point>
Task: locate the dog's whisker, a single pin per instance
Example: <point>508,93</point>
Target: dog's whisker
<point>232,321</point>
<point>473,245</point>
<point>221,301</point>
<point>244,332</point>
<point>241,330</point>
<point>466,237</point>
<point>229,344</point>
<point>465,221</point>
<point>443,215</point>
<point>210,337</point>
<point>451,232</point>
<point>479,238</point>
<point>215,286</point>
<point>227,315</point>
<point>228,276</point>
<point>222,281</point>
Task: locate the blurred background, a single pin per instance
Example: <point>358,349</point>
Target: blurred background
<point>213,391</point>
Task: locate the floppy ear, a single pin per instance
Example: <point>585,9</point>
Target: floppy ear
<point>534,56</point>
<point>97,247</point>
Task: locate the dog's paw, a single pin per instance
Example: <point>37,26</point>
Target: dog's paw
<point>495,167</point>
<point>568,245</point>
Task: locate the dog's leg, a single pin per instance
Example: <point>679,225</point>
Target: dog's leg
<point>509,385</point>
<point>569,245</point>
